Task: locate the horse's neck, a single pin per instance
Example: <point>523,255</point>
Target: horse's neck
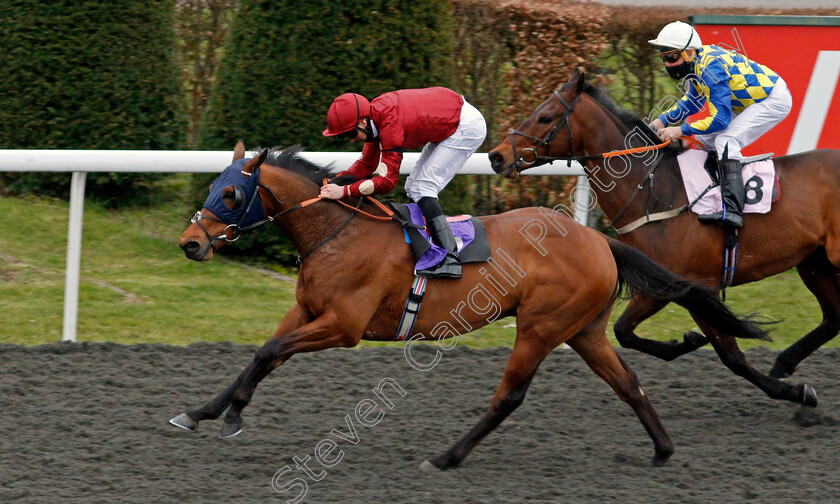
<point>615,180</point>
<point>307,227</point>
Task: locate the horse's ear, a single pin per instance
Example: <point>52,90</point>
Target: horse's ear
<point>239,151</point>
<point>254,162</point>
<point>581,79</point>
<point>578,79</point>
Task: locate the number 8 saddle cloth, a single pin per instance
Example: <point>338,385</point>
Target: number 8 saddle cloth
<point>760,183</point>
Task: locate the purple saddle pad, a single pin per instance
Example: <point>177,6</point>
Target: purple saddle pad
<point>463,230</point>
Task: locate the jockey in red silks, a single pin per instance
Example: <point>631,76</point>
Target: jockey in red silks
<point>440,120</point>
<point>745,100</point>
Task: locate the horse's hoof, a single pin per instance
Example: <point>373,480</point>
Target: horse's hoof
<point>695,339</point>
<point>427,466</point>
<point>230,429</point>
<point>184,422</point>
<point>659,461</point>
<point>809,395</point>
<point>662,455</point>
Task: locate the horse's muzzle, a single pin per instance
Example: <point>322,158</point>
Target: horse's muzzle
<point>193,250</point>
<point>497,161</point>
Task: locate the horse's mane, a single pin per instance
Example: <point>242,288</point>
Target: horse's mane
<point>290,159</point>
<point>629,120</point>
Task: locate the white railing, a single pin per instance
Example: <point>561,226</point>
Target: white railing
<point>80,162</point>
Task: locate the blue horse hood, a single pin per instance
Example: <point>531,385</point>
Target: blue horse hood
<point>251,208</point>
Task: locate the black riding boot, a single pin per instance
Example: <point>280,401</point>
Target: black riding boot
<point>442,235</point>
<point>732,194</point>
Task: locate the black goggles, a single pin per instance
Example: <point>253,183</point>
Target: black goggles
<point>349,135</point>
<point>671,56</point>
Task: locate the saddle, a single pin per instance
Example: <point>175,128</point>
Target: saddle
<point>702,188</point>
<point>473,246</point>
<point>700,177</point>
<point>469,232</point>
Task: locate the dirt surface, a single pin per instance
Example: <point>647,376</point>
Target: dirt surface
<point>88,423</point>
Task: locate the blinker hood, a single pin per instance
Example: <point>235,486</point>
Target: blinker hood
<point>250,209</point>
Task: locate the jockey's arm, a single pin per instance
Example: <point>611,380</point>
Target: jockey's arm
<point>689,104</point>
<point>383,181</point>
<point>719,102</point>
<point>366,164</point>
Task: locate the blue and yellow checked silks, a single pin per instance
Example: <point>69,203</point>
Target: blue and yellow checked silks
<point>728,81</point>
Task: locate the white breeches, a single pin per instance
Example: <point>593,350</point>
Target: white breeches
<point>439,162</point>
<point>754,121</point>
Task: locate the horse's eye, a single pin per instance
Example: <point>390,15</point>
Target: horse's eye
<point>545,120</point>
<point>233,197</point>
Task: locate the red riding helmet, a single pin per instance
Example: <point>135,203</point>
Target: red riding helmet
<point>345,112</point>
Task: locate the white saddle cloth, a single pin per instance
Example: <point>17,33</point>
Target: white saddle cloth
<point>759,179</point>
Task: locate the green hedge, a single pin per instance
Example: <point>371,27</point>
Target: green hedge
<point>285,62</point>
<point>88,75</point>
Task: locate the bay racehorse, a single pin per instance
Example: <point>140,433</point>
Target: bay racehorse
<point>802,230</point>
<point>558,278</point>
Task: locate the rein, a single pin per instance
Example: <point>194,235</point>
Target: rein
<point>546,142</point>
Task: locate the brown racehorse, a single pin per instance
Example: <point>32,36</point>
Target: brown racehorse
<point>558,278</point>
<point>801,230</point>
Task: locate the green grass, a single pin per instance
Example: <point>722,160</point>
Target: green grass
<point>137,287</point>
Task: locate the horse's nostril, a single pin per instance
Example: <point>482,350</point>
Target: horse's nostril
<point>190,248</point>
<point>496,159</point>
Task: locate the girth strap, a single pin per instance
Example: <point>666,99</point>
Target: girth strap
<point>412,308</point>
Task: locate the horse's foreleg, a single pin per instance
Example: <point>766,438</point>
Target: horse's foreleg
<point>821,278</point>
<point>320,334</point>
<point>641,308</point>
<point>732,356</point>
<point>294,318</point>
<point>600,356</point>
<point>523,363</point>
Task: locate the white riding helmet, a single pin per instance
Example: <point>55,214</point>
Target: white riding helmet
<point>678,35</point>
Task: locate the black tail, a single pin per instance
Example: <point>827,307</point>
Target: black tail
<point>637,273</point>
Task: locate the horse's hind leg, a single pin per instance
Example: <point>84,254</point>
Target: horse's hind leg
<point>641,308</point>
<point>821,278</point>
<point>732,356</point>
<point>601,357</point>
<point>523,363</point>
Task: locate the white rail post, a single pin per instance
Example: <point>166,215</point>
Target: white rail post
<point>582,201</point>
<point>74,255</point>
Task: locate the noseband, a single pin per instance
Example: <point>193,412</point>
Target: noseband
<point>521,162</point>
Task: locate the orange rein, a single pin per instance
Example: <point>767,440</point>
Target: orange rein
<point>638,150</point>
<point>375,201</point>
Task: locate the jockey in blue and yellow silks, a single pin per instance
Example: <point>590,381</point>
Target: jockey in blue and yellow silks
<point>745,100</point>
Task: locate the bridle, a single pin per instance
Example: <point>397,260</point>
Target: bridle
<point>533,157</point>
<point>237,229</point>
<point>521,162</point>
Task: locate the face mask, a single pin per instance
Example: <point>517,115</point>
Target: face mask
<point>369,133</point>
<point>677,72</point>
